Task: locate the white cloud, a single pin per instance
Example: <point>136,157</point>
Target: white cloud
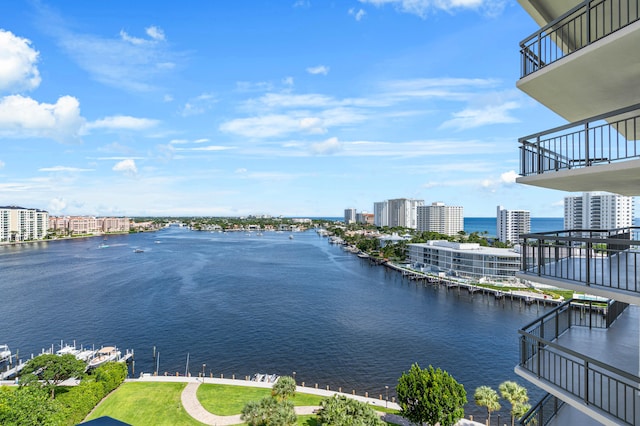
<point>57,205</point>
<point>63,169</point>
<point>509,177</point>
<point>287,81</point>
<point>18,60</point>
<point>199,105</point>
<point>2,164</point>
<point>357,14</point>
<point>302,3</point>
<point>422,7</point>
<point>476,117</point>
<point>178,141</point>
<point>328,147</point>
<point>203,140</point>
<point>320,69</point>
<point>241,170</point>
<point>155,33</point>
<point>123,122</point>
<point>127,166</point>
<point>133,40</point>
<point>23,117</point>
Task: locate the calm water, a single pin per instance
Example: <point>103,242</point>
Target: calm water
<point>488,224</point>
<point>242,303</point>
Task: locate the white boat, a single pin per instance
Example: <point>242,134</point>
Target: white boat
<point>106,354</point>
<point>138,250</point>
<point>5,353</point>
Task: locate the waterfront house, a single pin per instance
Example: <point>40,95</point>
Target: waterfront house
<point>583,64</point>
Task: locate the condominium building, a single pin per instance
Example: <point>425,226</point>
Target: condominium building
<point>403,212</point>
<point>437,217</point>
<point>466,260</point>
<point>88,224</point>
<point>583,65</point>
<point>22,224</point>
<point>349,216</point>
<point>598,210</point>
<point>510,224</point>
<point>381,214</point>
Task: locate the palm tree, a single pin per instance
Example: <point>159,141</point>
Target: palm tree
<point>516,395</point>
<point>487,397</point>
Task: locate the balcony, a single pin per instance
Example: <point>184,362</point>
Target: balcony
<point>604,263</point>
<point>600,153</point>
<point>582,63</point>
<point>569,352</point>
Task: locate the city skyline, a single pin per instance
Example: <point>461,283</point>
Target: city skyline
<point>296,108</point>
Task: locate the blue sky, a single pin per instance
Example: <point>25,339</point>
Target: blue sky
<point>282,107</point>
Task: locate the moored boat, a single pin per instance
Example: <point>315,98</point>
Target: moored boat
<point>5,353</point>
<point>105,354</point>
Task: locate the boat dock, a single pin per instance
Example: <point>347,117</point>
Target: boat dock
<point>525,295</point>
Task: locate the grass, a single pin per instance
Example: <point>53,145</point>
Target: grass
<point>158,403</point>
<point>146,404</point>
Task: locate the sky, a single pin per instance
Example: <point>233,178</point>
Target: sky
<point>252,107</point>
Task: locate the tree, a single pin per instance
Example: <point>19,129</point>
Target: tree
<point>487,397</point>
<point>28,406</point>
<point>340,410</point>
<point>517,397</point>
<point>52,369</point>
<point>284,388</point>
<point>430,396</point>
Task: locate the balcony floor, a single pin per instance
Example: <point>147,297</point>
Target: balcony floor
<point>618,347</point>
<point>611,276</point>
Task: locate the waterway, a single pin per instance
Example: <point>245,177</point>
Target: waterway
<point>242,303</point>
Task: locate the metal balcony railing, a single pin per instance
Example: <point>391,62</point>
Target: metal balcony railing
<point>609,259</point>
<point>601,139</point>
<point>543,412</point>
<point>581,26</point>
<point>596,383</point>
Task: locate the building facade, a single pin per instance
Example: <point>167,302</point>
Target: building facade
<point>402,212</point>
<point>381,214</point>
<point>22,224</point>
<point>598,210</point>
<point>466,260</point>
<point>349,216</point>
<point>437,217</point>
<point>75,225</point>
<point>510,224</point>
<point>583,65</point>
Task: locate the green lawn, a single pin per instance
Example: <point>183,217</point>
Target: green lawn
<point>141,404</point>
<point>158,403</point>
<point>226,400</point>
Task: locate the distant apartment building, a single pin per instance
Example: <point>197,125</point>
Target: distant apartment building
<point>402,212</point>
<point>510,224</point>
<point>349,216</point>
<point>365,218</point>
<point>598,210</point>
<point>22,224</point>
<point>88,224</point>
<point>466,260</point>
<point>438,217</point>
<point>381,214</point>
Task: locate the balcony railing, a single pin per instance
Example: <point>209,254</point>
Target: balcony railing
<point>583,143</point>
<point>608,259</point>
<point>600,385</point>
<point>543,412</point>
<point>581,26</point>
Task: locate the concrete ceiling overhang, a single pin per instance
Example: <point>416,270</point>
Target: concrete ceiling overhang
<point>599,78</point>
<point>619,178</point>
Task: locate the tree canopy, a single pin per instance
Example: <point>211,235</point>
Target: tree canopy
<point>52,370</point>
<point>484,396</point>
<point>284,388</point>
<point>430,396</point>
<point>340,410</point>
<point>517,396</point>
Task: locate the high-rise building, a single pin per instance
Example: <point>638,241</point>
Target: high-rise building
<point>583,64</point>
<point>510,224</point>
<point>437,217</point>
<point>381,214</point>
<point>598,210</point>
<point>349,216</point>
<point>21,224</point>
<point>403,212</point>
